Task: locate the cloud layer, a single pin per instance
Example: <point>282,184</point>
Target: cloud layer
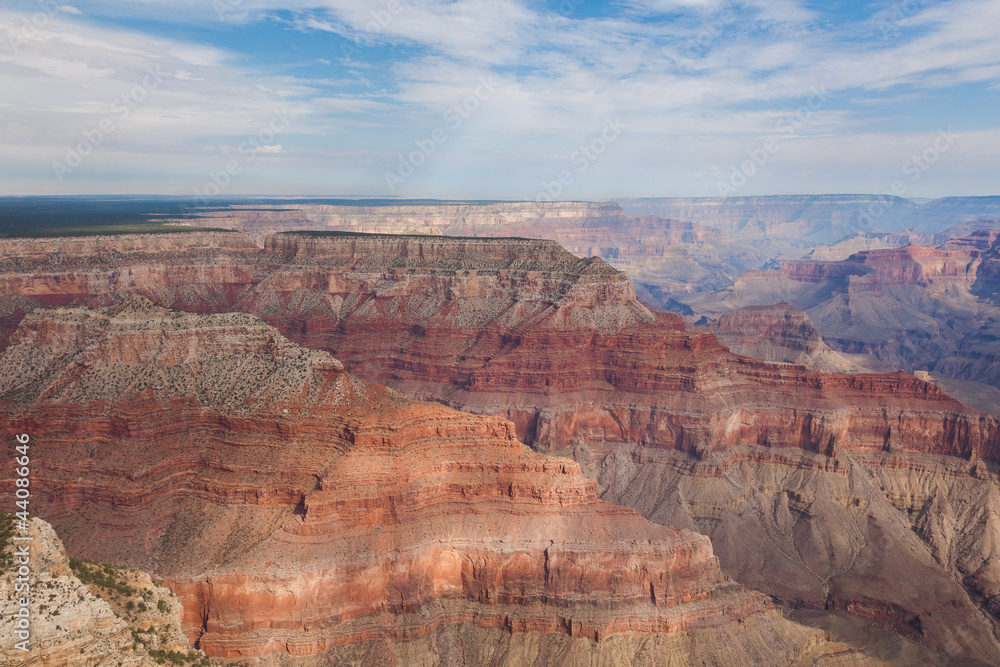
<point>495,98</point>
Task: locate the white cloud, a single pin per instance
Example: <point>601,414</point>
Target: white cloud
<point>557,78</point>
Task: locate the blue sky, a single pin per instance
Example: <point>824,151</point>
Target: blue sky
<point>507,99</point>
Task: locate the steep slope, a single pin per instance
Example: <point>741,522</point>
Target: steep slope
<point>74,625</point>
<point>559,345</point>
<point>294,508</point>
<point>784,334</point>
<point>934,309</point>
<point>664,257</point>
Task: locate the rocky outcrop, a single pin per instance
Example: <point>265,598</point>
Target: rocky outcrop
<point>930,309</point>
<point>864,241</point>
<point>560,347</point>
<point>294,508</point>
<point>71,623</point>
<point>953,263</point>
<point>663,257</point>
<point>568,352</point>
<point>782,333</point>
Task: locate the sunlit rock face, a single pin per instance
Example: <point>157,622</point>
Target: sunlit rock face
<point>294,508</point>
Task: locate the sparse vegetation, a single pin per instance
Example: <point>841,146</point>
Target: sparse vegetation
<point>163,657</point>
<point>177,658</point>
<point>103,575</point>
<point>6,532</point>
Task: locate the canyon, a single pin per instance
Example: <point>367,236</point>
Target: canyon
<point>804,219</point>
<point>673,249</point>
<point>662,256</point>
<point>856,492</point>
<point>296,509</point>
<point>931,309</point>
<point>783,333</point>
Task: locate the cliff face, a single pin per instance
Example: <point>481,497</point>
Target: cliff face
<point>932,309</point>
<point>296,509</point>
<point>956,262</point>
<point>829,217</point>
<point>568,353</point>
<point>458,219</point>
<point>559,346</point>
<point>784,334</point>
<point>556,343</point>
<point>862,241</point>
<point>663,257</point>
<point>72,624</point>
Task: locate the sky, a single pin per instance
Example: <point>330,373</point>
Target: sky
<point>500,99</point>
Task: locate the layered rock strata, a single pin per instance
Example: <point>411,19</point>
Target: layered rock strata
<point>784,334</point>
<point>294,508</point>
<point>663,257</point>
<point>560,346</point>
<point>931,309</point>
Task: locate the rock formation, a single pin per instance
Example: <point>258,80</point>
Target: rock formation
<point>294,508</point>
<point>72,624</point>
<point>932,309</point>
<point>784,334</point>
<point>559,345</point>
<point>663,257</point>
<point>862,241</point>
<point>436,218</point>
<point>823,218</point>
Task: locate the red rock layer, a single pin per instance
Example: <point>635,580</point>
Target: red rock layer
<point>559,345</point>
<point>955,261</point>
<point>931,309</point>
<point>523,329</point>
<point>294,508</point>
